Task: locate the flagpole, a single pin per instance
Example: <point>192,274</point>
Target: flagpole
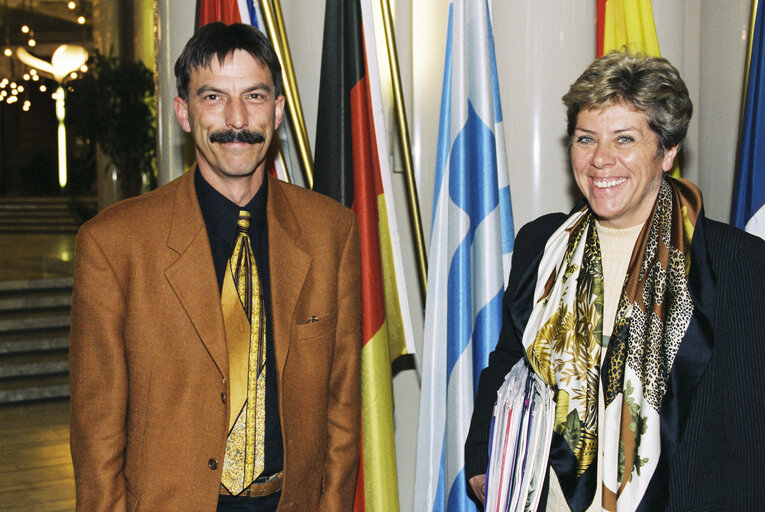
<point>748,63</point>
<point>398,96</point>
<point>272,14</point>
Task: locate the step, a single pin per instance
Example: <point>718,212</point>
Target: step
<point>15,202</point>
<point>35,299</point>
<point>27,219</point>
<point>38,229</point>
<point>36,388</point>
<point>34,364</point>
<point>50,283</point>
<point>35,319</point>
<point>34,341</point>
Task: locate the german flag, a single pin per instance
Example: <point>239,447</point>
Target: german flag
<point>347,168</point>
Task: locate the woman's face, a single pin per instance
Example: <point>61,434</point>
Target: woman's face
<point>617,164</point>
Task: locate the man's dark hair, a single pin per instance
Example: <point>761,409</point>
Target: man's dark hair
<point>220,40</point>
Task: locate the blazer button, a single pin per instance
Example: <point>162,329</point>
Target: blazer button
<point>212,464</point>
<point>223,397</point>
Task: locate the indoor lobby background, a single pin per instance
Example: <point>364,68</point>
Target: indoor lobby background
<point>541,47</point>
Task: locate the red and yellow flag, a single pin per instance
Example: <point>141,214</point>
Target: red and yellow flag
<point>626,24</point>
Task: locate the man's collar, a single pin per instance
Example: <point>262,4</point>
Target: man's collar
<point>222,214</point>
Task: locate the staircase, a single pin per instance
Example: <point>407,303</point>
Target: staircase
<point>34,339</point>
<point>44,214</point>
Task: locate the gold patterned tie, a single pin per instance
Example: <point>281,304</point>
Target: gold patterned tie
<point>245,320</point>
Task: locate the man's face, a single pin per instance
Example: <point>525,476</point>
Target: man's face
<point>232,115</point>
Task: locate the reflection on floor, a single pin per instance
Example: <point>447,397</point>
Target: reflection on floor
<point>36,473</point>
<point>31,256</point>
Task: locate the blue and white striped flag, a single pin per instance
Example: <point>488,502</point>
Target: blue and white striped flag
<point>749,195</point>
<point>470,246</point>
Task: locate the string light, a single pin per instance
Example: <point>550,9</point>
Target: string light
<point>7,52</point>
<point>81,20</point>
<point>25,29</point>
<point>32,42</point>
<point>43,88</point>
<point>72,6</point>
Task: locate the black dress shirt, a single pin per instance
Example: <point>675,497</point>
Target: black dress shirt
<point>221,216</point>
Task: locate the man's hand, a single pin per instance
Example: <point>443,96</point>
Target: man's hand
<point>478,484</point>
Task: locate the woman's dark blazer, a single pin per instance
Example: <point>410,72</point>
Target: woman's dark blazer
<point>719,463</point>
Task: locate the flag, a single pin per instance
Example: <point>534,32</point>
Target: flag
<point>626,23</point>
<point>247,12</point>
<point>348,166</point>
<point>749,194</point>
<point>470,247</point>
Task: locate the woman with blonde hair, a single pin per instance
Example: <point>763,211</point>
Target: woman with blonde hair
<point>645,318</point>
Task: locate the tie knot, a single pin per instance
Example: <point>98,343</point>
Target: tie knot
<point>243,224</point>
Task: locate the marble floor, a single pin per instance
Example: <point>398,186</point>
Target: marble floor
<point>36,473</point>
<point>36,470</point>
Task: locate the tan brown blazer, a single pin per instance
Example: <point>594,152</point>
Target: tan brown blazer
<point>148,353</point>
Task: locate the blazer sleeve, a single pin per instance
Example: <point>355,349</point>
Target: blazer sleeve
<point>98,380</point>
<point>529,245</point>
<point>344,409</point>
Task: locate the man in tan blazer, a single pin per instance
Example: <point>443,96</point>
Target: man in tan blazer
<point>151,402</point>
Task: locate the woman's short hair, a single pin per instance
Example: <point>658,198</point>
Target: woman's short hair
<point>220,41</point>
<point>650,85</point>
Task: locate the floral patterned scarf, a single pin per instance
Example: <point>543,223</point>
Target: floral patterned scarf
<point>562,342</point>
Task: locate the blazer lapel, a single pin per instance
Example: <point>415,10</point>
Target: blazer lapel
<point>192,276</point>
<point>288,266</point>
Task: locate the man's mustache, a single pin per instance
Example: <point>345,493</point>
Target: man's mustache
<point>237,136</point>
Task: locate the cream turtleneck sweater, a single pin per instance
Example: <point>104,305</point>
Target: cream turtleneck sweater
<point>616,247</point>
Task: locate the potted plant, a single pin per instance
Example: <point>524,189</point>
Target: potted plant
<point>113,104</point>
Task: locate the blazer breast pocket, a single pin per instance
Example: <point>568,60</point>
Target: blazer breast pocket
<point>316,326</point>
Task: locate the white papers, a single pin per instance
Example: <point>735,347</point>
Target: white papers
<point>519,443</point>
